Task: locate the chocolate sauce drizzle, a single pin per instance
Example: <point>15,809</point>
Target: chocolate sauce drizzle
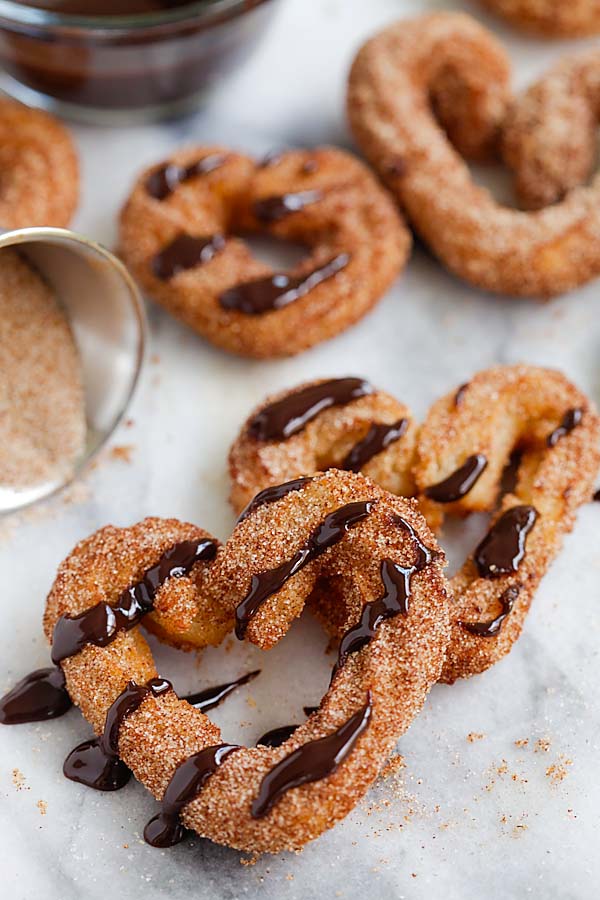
<point>309,710</point>
<point>570,420</point>
<point>330,532</point>
<point>492,628</point>
<point>165,829</point>
<point>503,548</point>
<point>460,482</point>
<point>39,696</point>
<point>288,416</point>
<point>395,601</point>
<point>212,696</point>
<point>161,183</point>
<point>253,298</point>
<point>310,762</point>
<point>277,736</point>
<point>596,497</point>
<point>186,252</point>
<point>377,439</point>
<point>101,624</point>
<point>272,494</point>
<point>96,762</point>
<point>460,393</point>
<point>272,209</point>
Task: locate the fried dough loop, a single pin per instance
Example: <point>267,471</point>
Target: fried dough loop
<point>552,18</point>
<point>337,526</point>
<point>427,88</point>
<point>454,463</point>
<point>178,232</point>
<point>39,182</point>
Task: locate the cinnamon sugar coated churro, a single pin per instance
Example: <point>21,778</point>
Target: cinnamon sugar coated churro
<point>553,18</point>
<point>391,618</point>
<point>414,143</point>
<point>178,235</point>
<point>40,172</point>
<point>453,463</point>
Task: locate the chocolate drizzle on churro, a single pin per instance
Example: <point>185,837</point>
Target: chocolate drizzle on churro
<point>96,762</point>
<point>395,601</point>
<point>253,298</point>
<point>331,530</point>
<point>276,736</point>
<point>165,829</point>
<point>288,416</point>
<point>377,439</point>
<point>272,209</point>
<point>161,183</point>
<point>570,420</point>
<point>212,696</point>
<point>490,629</point>
<point>101,624</point>
<point>460,482</point>
<point>185,252</point>
<point>460,393</point>
<point>272,494</point>
<point>310,762</point>
<point>503,548</point>
<point>39,696</point>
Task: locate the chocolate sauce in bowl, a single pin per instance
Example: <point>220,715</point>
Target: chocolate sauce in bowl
<point>186,252</point>
<point>288,416</point>
<point>503,548</point>
<point>272,495</point>
<point>311,762</point>
<point>330,532</point>
<point>460,482</point>
<point>95,763</point>
<point>106,7</point>
<point>40,696</point>
<point>253,298</point>
<point>165,829</point>
<point>377,439</point>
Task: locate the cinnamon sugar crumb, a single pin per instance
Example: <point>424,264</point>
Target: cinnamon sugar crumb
<point>522,742</point>
<point>558,771</point>
<point>42,805</point>
<point>18,779</point>
<point>393,766</point>
<point>475,736</point>
<point>542,745</point>
<point>122,452</point>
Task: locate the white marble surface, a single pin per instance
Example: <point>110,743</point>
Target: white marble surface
<point>471,819</point>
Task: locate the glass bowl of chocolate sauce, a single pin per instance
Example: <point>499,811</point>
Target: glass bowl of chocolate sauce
<point>114,60</point>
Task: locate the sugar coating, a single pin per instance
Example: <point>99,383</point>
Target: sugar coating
<point>322,444</point>
<point>354,215</point>
<point>398,667</point>
<point>42,410</point>
<point>551,17</point>
<point>39,182</point>
<point>449,65</point>
<point>500,410</point>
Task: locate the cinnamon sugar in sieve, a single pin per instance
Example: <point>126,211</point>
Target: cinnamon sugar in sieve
<point>42,411</point>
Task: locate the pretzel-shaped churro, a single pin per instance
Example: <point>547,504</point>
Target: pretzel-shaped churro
<point>426,89</point>
<point>453,463</point>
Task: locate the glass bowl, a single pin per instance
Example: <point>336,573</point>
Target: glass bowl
<point>111,68</point>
